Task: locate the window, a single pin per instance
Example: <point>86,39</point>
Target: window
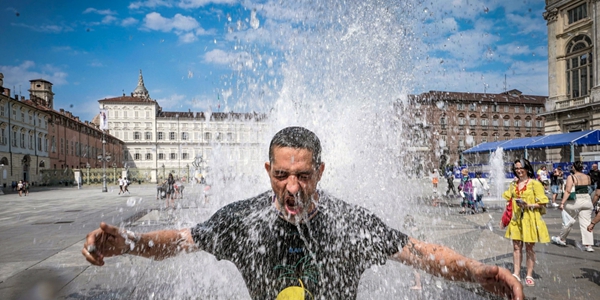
<point>137,156</point>
<point>443,121</point>
<point>173,155</point>
<point>495,108</point>
<point>171,135</point>
<point>484,122</point>
<point>579,66</point>
<point>53,144</point>
<point>148,156</point>
<point>539,110</point>
<point>207,136</point>
<point>484,108</point>
<point>461,143</point>
<point>460,106</point>
<point>577,13</point>
<point>528,123</point>
<point>517,123</point>
<point>135,114</point>
<point>137,135</point>
<point>2,110</point>
<point>3,136</point>
<point>184,155</point>
<point>517,109</point>
<point>184,136</point>
<point>539,124</point>
<point>461,121</point>
<point>161,156</point>
<point>506,123</point>
<point>148,135</point>
<point>528,109</point>
<point>495,122</point>
<point>147,114</point>
<point>161,136</point>
<point>22,140</point>
<point>506,108</point>
<point>472,107</point>
<point>124,114</point>
<point>230,137</point>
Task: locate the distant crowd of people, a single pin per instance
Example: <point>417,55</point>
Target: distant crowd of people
<point>527,196</point>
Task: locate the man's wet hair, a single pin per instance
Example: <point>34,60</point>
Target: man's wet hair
<point>298,138</point>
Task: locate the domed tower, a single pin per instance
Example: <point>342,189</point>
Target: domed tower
<point>141,91</point>
<point>40,92</point>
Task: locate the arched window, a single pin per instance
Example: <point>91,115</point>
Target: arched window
<point>579,66</point>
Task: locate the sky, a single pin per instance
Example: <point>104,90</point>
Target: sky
<point>223,55</point>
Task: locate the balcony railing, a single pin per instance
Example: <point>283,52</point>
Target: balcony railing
<point>572,102</point>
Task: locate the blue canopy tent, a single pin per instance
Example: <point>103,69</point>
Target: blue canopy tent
<point>579,138</point>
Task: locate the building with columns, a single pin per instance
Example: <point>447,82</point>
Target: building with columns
<point>573,84</point>
<point>183,143</point>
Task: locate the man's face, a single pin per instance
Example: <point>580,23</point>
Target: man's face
<point>594,167</point>
<point>294,180</point>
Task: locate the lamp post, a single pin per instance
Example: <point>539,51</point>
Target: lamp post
<point>87,166</point>
<point>114,165</point>
<point>163,167</point>
<point>187,178</point>
<point>104,159</point>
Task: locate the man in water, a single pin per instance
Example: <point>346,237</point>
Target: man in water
<point>297,240</point>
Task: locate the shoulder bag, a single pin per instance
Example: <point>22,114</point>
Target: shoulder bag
<point>572,195</point>
<point>507,215</point>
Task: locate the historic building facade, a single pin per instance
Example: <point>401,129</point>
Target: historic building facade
<point>441,125</point>
<point>183,143</point>
<point>23,140</point>
<point>573,84</point>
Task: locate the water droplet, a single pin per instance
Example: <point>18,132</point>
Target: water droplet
<point>131,201</point>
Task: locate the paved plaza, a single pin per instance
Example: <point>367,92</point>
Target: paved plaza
<point>42,236</point>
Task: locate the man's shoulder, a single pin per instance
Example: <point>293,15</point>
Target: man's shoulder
<point>262,199</point>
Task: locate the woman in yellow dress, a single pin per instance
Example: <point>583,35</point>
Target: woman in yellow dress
<point>527,226</point>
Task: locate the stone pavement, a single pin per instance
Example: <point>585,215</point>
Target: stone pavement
<point>42,235</point>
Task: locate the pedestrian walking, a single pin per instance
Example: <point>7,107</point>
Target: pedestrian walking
<point>435,179</point>
<point>120,185</point>
<point>526,226</point>
<point>126,184</point>
<point>466,192</point>
<point>480,187</point>
<point>580,210</point>
<point>556,179</point>
<point>450,180</point>
<point>20,188</point>
<point>594,174</point>
<point>26,187</point>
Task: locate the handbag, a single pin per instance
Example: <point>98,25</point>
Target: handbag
<point>572,195</point>
<point>507,215</point>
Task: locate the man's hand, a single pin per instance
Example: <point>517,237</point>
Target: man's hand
<point>498,281</point>
<point>105,241</point>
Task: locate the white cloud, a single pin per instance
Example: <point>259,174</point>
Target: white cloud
<point>128,21</point>
<point>200,3</point>
<point>221,57</point>
<point>526,24</point>
<point>172,102</point>
<point>108,20</point>
<point>150,4</point>
<point>100,12</point>
<point>45,28</point>
<point>188,38</point>
<point>155,21</point>
<point>21,74</point>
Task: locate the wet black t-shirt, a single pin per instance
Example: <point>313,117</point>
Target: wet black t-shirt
<point>323,259</point>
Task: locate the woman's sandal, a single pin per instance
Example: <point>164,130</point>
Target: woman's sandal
<point>529,281</point>
<point>517,277</point>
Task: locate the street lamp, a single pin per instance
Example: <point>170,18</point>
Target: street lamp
<point>87,166</point>
<point>104,159</point>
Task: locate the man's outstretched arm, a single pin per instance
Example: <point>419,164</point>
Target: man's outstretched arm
<point>108,241</point>
<point>447,263</point>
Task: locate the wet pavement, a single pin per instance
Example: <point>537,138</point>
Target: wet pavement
<point>42,235</point>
